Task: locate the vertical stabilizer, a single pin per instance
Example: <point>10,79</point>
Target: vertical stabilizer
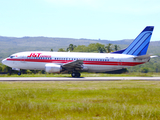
<point>140,44</point>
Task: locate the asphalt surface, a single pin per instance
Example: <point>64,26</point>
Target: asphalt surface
<point>77,79</point>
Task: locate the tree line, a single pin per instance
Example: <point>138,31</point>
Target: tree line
<point>93,47</point>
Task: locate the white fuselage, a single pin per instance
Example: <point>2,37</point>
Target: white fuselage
<point>92,62</point>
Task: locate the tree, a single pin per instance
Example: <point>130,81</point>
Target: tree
<point>116,47</point>
<point>96,47</point>
<point>92,47</point>
<point>61,50</point>
<point>109,48</point>
<point>144,70</point>
<point>0,69</point>
<point>81,48</point>
<point>71,47</point>
<point>51,50</point>
<point>100,48</point>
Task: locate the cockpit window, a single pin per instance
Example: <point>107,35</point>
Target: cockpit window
<point>11,56</point>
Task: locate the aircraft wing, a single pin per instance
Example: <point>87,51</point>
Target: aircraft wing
<point>77,64</point>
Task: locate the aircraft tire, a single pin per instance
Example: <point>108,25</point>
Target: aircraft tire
<point>78,74</point>
<point>19,73</point>
<point>73,74</point>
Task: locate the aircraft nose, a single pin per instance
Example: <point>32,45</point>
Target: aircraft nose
<point>4,61</point>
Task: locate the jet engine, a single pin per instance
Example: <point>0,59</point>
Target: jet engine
<point>53,68</point>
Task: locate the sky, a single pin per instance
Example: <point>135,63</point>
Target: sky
<point>91,19</point>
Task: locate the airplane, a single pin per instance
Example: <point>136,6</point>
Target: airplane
<point>76,62</point>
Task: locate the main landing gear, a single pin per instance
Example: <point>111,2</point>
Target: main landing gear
<point>19,73</point>
<point>76,74</point>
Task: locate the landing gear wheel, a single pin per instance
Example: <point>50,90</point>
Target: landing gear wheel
<point>76,74</point>
<point>19,73</point>
<point>73,74</point>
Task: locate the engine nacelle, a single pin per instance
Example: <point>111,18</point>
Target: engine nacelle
<point>52,68</point>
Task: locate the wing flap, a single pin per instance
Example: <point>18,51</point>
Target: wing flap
<point>73,64</point>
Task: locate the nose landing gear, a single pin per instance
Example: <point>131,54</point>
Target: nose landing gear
<point>17,69</point>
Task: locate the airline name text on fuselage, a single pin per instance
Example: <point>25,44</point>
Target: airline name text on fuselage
<point>38,55</point>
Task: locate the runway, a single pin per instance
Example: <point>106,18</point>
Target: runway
<point>77,79</point>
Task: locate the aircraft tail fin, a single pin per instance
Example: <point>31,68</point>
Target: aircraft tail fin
<point>140,44</point>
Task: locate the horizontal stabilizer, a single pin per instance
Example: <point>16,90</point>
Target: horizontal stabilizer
<point>144,57</point>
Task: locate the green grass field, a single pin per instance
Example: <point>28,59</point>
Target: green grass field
<point>80,100</point>
<point>86,74</point>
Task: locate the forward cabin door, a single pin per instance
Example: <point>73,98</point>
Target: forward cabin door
<point>22,59</point>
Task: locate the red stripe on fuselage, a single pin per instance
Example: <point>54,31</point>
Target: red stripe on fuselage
<point>85,62</point>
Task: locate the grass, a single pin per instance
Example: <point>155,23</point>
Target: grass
<point>80,100</point>
<point>85,74</point>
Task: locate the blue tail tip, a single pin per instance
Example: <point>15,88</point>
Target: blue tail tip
<point>149,28</point>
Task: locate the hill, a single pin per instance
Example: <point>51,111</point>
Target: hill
<point>10,45</point>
